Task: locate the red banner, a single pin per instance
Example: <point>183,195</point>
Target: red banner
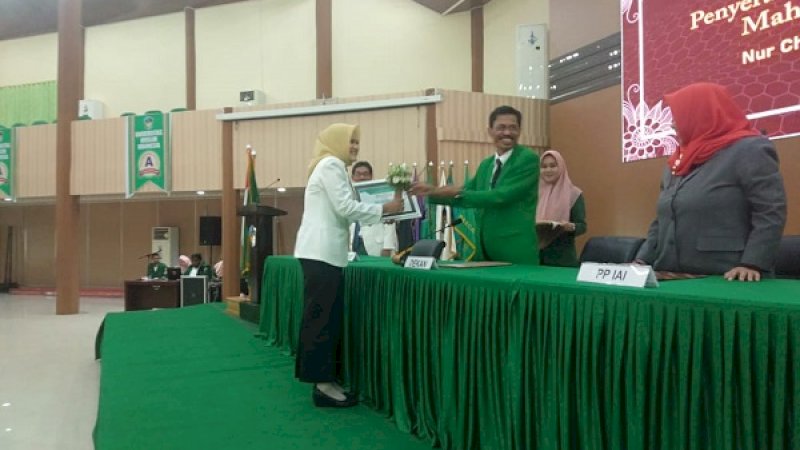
<point>750,46</point>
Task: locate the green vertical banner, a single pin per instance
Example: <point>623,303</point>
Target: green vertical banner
<point>7,153</point>
<point>148,152</point>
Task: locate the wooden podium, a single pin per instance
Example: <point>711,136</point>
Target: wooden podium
<point>141,295</point>
<point>259,216</point>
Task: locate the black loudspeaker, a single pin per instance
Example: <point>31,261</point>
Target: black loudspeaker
<point>194,290</point>
<point>210,230</point>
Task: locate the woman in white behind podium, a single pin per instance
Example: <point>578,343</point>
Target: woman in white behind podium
<point>322,246</point>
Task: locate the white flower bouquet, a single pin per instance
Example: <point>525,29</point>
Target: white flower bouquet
<point>399,177</point>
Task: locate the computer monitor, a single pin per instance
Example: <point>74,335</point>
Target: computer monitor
<point>173,273</point>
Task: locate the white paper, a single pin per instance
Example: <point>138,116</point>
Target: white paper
<point>631,275</point>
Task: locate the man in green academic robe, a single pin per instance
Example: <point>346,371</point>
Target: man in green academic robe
<point>503,192</point>
<point>156,270</point>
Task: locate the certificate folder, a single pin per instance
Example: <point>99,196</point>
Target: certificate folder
<point>472,264</point>
<point>378,192</point>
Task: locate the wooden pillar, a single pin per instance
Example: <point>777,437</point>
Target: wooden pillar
<point>324,50</point>
<point>231,227</point>
<point>70,91</point>
<point>476,32</point>
<point>191,61</point>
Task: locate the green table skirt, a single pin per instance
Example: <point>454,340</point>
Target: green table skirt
<point>525,357</point>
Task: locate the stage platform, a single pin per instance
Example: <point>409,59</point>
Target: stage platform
<point>197,378</point>
<point>84,292</point>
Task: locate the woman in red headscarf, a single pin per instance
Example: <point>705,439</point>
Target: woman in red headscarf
<point>722,206</point>
<point>560,205</point>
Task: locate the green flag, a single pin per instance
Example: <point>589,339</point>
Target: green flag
<point>7,163</point>
<point>428,223</point>
<point>466,232</point>
<point>148,160</point>
<point>250,198</point>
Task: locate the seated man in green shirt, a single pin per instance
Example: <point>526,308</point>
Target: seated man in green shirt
<point>156,270</point>
<point>199,267</point>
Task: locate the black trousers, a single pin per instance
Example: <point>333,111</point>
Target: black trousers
<point>321,327</point>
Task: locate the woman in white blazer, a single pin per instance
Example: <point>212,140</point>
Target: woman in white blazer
<point>322,246</point>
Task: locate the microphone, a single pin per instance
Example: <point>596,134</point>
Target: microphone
<point>458,221</point>
<point>273,182</point>
<point>454,223</point>
<point>147,255</point>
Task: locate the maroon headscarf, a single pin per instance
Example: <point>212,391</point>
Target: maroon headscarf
<point>707,120</point>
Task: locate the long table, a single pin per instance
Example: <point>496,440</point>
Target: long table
<point>524,357</point>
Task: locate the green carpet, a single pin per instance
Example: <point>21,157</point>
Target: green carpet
<point>195,378</point>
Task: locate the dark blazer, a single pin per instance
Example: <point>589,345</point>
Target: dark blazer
<point>506,215</point>
<point>728,212</point>
<point>203,269</point>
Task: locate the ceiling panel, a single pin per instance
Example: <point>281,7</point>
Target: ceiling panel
<point>20,18</point>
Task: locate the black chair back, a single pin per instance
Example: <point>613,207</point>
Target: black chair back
<point>787,264</point>
<point>611,249</point>
<point>428,247</point>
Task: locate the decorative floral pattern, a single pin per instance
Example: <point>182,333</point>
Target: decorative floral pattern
<point>647,131</point>
<point>626,11</point>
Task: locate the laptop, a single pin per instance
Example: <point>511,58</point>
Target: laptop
<point>173,273</point>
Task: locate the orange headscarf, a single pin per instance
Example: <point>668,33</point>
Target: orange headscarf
<point>707,120</point>
<point>556,199</point>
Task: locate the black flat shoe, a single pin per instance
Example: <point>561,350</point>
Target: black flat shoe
<point>323,401</point>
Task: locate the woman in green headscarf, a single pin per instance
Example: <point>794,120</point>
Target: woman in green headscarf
<point>322,245</point>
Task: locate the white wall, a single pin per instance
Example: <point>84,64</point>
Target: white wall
<point>138,65</point>
<point>28,60</point>
<point>379,46</point>
<point>269,45</point>
<point>500,20</point>
<point>385,46</point>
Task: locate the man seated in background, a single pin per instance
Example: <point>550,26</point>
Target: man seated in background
<point>156,270</point>
<point>199,267</point>
<point>374,240</point>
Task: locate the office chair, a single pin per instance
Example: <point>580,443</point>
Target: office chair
<point>611,249</point>
<point>428,247</point>
<point>787,263</point>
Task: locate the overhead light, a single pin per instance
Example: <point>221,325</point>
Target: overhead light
<point>281,189</point>
<point>201,192</point>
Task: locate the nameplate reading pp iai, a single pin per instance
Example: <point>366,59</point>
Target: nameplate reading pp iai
<point>420,262</point>
<point>631,275</point>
